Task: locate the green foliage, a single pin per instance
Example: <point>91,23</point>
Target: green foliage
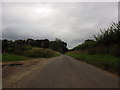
<point>103,61</point>
<point>109,36</point>
<point>5,45</point>
<point>19,46</point>
<point>18,51</point>
<point>87,44</point>
<point>56,54</point>
<point>107,42</point>
<point>59,46</point>
<point>29,54</point>
<point>115,50</point>
<point>98,50</point>
<point>30,48</point>
<point>40,53</point>
<point>12,57</point>
<point>101,52</point>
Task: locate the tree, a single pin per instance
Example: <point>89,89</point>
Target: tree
<point>30,42</point>
<point>5,45</point>
<point>59,45</point>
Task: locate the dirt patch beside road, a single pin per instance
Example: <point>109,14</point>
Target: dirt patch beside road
<point>14,71</point>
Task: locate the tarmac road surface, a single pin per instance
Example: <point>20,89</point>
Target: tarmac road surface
<point>66,72</point>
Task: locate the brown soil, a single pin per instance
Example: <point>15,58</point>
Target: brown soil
<point>11,74</point>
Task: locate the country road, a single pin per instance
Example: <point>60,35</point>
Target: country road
<point>66,72</point>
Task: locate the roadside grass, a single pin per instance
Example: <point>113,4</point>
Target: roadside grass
<point>0,57</point>
<point>106,62</point>
<point>11,57</point>
<point>41,53</point>
<point>56,54</point>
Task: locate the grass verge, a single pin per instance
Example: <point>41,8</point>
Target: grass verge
<point>106,62</point>
<point>40,53</point>
<point>12,57</point>
<point>56,54</point>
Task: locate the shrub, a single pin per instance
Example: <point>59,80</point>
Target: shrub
<point>18,51</point>
<point>98,50</point>
<point>39,52</point>
<point>76,52</point>
<point>115,50</point>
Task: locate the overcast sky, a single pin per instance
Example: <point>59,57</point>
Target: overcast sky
<point>70,22</point>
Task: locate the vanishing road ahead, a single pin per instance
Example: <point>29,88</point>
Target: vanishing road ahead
<point>66,72</point>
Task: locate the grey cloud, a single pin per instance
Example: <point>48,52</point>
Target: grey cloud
<point>71,22</point>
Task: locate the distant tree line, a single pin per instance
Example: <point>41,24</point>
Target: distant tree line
<point>18,46</point>
<point>107,42</point>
